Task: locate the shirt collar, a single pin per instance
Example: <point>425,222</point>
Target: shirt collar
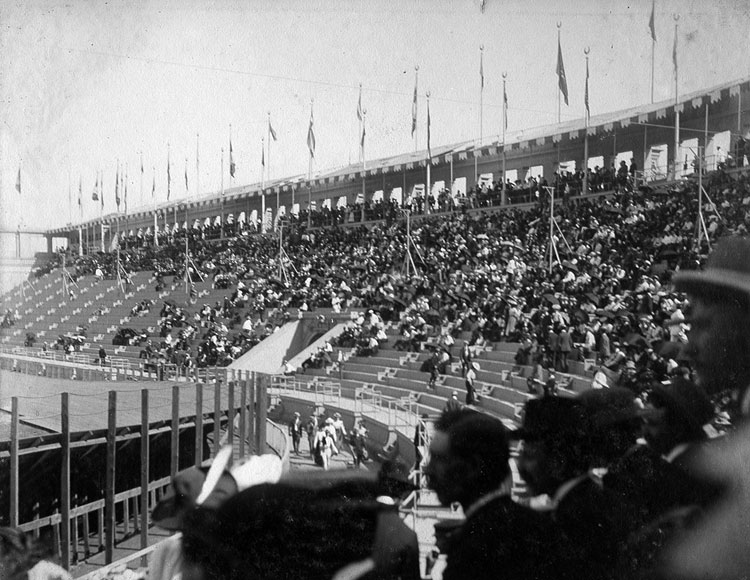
<point>677,450</point>
<point>502,491</point>
<point>566,488</point>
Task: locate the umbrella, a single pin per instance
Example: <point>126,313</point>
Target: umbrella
<point>592,297</point>
<point>511,245</point>
<point>605,313</point>
<point>570,265</point>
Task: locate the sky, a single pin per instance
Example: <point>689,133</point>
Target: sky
<point>87,85</point>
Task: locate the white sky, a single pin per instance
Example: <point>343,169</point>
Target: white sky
<point>86,83</point>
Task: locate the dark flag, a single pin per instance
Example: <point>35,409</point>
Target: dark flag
<point>311,136</point>
<point>586,94</point>
<point>651,26</point>
<point>117,187</point>
<point>429,150</point>
<point>18,181</point>
<point>231,160</point>
<point>562,80</point>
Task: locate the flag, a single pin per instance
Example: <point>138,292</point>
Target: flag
<point>651,26</point>
<point>674,51</point>
<point>586,94</point>
<point>414,110</point>
<point>359,104</point>
<point>231,160</point>
<point>187,187</point>
<point>18,181</point>
<point>362,142</point>
<point>262,156</point>
<point>153,185</point>
<point>141,162</point>
<point>95,193</point>
<point>481,68</point>
<point>80,191</point>
<point>311,136</point>
<point>125,187</point>
<point>271,131</point>
<point>562,81</point>
<point>505,108</point>
<point>429,151</point>
<point>117,187</point>
<point>101,188</point>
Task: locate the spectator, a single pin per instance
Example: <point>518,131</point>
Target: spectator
<point>469,455</point>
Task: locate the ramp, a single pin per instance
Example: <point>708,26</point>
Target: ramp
<point>269,354</point>
<point>302,356</point>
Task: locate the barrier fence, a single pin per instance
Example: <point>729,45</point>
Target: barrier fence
<point>185,424</point>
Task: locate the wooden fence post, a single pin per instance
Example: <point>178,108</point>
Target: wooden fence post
<point>217,415</point>
<point>65,480</point>
<point>14,463</point>
<point>198,423</point>
<point>251,419</point>
<point>109,492</point>
<point>230,417</point>
<point>145,467</point>
<point>243,416</point>
<point>174,460</point>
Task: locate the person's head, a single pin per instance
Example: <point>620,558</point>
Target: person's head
<point>468,456</point>
<point>719,337</point>
<point>675,414</point>
<point>615,422</point>
<point>555,448</point>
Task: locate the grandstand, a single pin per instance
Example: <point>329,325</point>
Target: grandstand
<point>620,238</point>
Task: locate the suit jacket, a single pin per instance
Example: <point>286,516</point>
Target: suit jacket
<point>501,540</point>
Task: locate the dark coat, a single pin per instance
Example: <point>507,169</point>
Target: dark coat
<point>502,540</point>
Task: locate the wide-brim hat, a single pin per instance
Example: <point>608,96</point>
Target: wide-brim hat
<point>684,399</point>
<point>554,419</point>
<point>727,268</point>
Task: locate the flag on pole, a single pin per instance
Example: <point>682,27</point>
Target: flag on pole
<point>231,160</point>
<point>359,104</point>
<point>187,187</point>
<point>18,180</point>
<point>80,191</point>
<point>674,52</point>
<point>362,141</point>
<point>651,26</point>
<point>271,131</point>
<point>169,177</point>
<point>311,136</point>
<point>414,110</point>
<point>153,185</point>
<point>429,150</point>
<point>586,94</point>
<point>101,188</point>
<point>262,156</point>
<point>562,81</point>
<point>125,188</point>
<point>117,187</point>
<point>95,193</point>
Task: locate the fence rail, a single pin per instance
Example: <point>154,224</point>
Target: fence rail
<point>231,411</point>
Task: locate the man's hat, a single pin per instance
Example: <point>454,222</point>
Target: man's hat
<point>727,268</point>
<point>606,407</point>
<point>684,399</point>
<point>556,419</point>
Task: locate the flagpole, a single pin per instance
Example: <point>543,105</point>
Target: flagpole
<point>231,160</point>
<point>559,110</point>
<point>653,45</point>
<point>268,161</point>
<point>416,105</point>
<point>559,104</point>
<point>359,112</point>
<point>481,110</point>
<point>221,226</point>
<point>676,101</point>
<point>140,200</point>
<point>504,194</point>
<point>428,189</point>
<point>262,187</point>
<point>197,165</point>
<point>586,51</point>
<point>364,162</point>
<point>153,198</point>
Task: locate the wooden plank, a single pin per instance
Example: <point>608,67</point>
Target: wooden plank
<point>145,463</point>
<point>65,480</point>
<point>126,517</point>
<point>217,416</point>
<point>174,456</point>
<point>198,423</point>
<point>86,537</point>
<point>262,408</point>
<point>14,464</point>
<point>109,490</point>
<point>251,419</point>
<point>74,539</point>
<point>100,526</point>
<point>243,416</point>
<point>230,416</point>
